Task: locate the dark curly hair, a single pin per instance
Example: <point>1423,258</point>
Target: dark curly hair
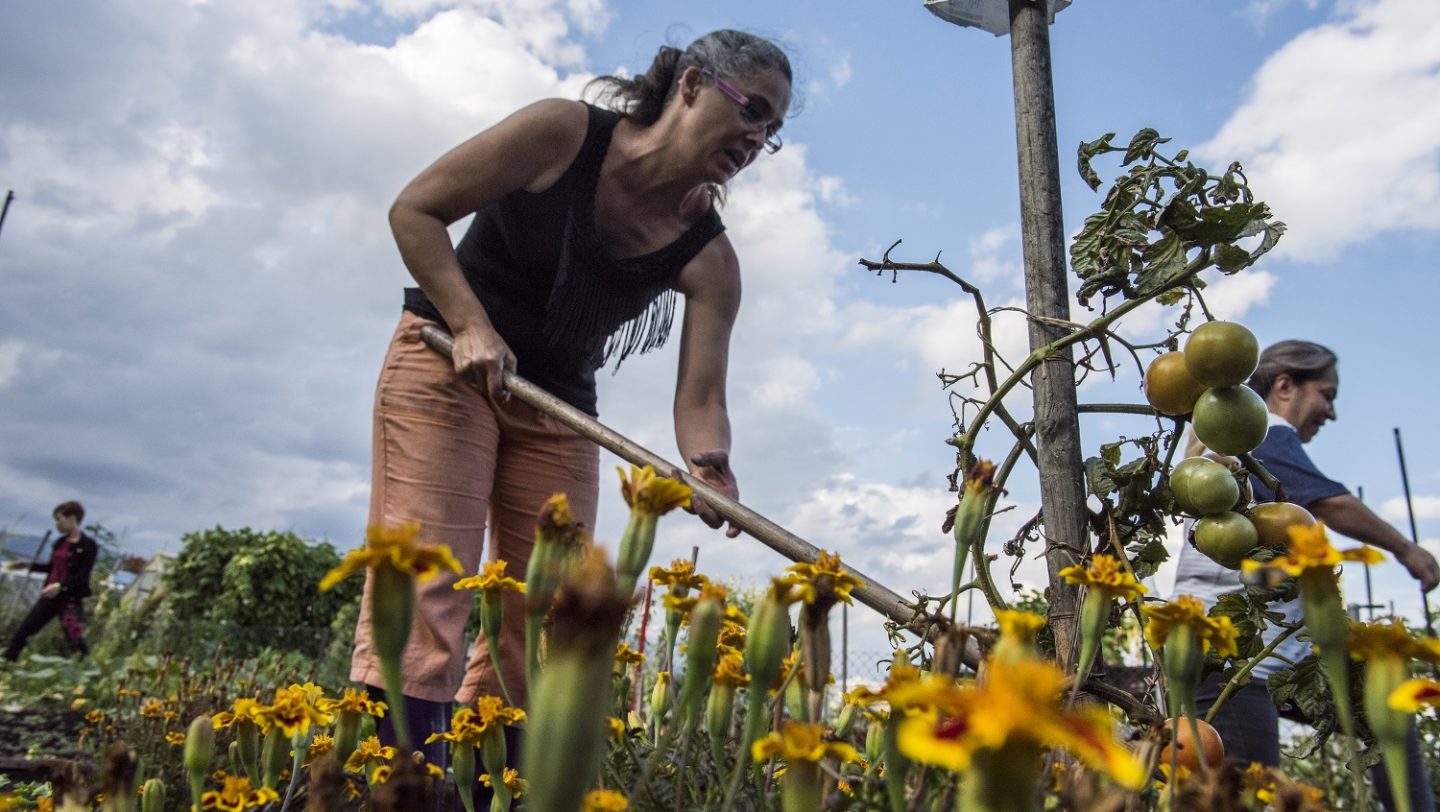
<point>726,52</point>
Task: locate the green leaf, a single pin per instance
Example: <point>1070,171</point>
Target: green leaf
<point>1142,145</point>
<point>1097,475</point>
<point>1273,232</point>
<point>1231,258</point>
<point>1165,262</point>
<point>1147,559</point>
<point>1088,150</point>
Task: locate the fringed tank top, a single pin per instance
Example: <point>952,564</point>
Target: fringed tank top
<point>563,305</point>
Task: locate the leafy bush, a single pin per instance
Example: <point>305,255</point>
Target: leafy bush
<point>250,591</point>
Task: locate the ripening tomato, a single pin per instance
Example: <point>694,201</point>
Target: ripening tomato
<point>1170,387</point>
<point>1226,538</point>
<point>1231,420</point>
<point>1273,520</point>
<point>1202,486</point>
<point>1221,353</point>
<point>1188,754</point>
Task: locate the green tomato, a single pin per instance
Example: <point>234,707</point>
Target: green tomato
<point>1231,420</point>
<point>1226,538</point>
<point>1203,486</point>
<point>1221,353</point>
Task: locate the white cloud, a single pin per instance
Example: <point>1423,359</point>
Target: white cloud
<point>840,71</point>
<point>1395,511</point>
<point>1334,133</point>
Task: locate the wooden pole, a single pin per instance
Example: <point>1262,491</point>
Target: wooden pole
<point>1057,423</point>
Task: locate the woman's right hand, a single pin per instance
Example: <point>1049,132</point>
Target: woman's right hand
<point>481,355</point>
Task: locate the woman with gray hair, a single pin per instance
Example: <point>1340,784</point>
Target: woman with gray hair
<point>588,220</point>
<point>1299,381</point>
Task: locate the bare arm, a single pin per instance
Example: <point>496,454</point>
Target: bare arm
<point>1350,516</point>
<point>528,150</point>
<point>711,285</point>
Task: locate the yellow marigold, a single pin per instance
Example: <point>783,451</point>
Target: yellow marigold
<point>492,576</point>
<point>626,656</point>
<point>175,737</point>
<point>605,800</point>
<point>243,709</point>
<point>368,750</point>
<point>826,577</point>
<point>354,700</point>
<point>152,709</point>
<point>901,673</point>
<point>380,774</point>
<point>730,670</point>
<point>1310,548</point>
<point>95,717</point>
<point>732,635</point>
<point>1019,625</point>
<point>1020,703</point>
<point>397,548</point>
<point>293,710</point>
<point>1412,695</point>
<point>1105,573</point>
<point>512,781</point>
<point>491,711</point>
<point>237,795</point>
<point>801,741</point>
<point>646,492</point>
<point>1187,610</point>
<point>1369,641</point>
<point>616,727</point>
<point>319,746</point>
<point>680,575</point>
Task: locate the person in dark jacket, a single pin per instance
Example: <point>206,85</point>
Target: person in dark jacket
<point>67,583</point>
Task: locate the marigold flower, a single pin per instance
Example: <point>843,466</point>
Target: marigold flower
<point>605,800</point>
<point>95,717</point>
<point>1105,573</point>
<point>152,709</point>
<point>353,700</point>
<point>647,492</point>
<point>397,548</point>
<point>367,751</point>
<point>237,795</point>
<point>626,656</point>
<point>1412,695</point>
<point>824,580</point>
<point>293,710</point>
<point>492,576</point>
<point>511,780</point>
<point>243,709</point>
<point>1370,641</point>
<point>731,671</point>
<point>1187,610</point>
<point>319,746</point>
<point>679,576</point>
<point>175,738</point>
<point>801,741</point>
<point>1310,548</point>
<point>1019,624</point>
<point>1019,704</point>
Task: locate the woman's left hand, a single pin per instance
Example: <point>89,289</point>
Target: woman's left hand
<point>713,468</point>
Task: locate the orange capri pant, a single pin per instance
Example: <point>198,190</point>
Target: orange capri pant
<point>457,462</point>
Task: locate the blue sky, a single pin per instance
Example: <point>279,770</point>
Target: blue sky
<point>199,283</point>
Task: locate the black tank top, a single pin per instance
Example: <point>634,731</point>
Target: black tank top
<point>536,264</point>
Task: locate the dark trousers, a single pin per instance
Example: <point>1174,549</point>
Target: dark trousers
<point>72,621</point>
<point>1249,725</point>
